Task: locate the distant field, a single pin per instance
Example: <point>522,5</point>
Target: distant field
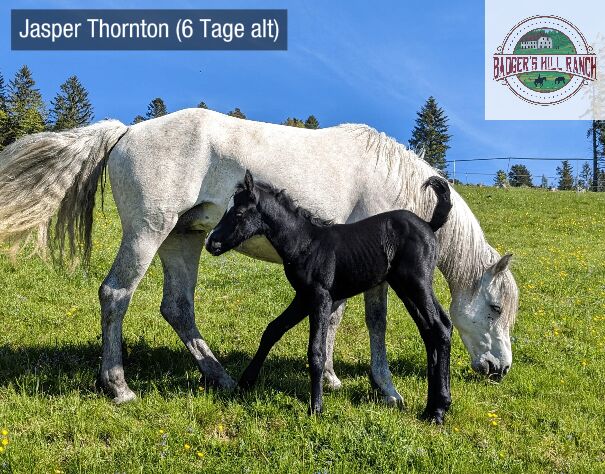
<point>549,85</point>
<point>546,416</point>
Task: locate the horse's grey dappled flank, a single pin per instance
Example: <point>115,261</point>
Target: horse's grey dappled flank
<point>172,179</point>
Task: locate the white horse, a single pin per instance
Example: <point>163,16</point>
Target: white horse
<point>172,179</point>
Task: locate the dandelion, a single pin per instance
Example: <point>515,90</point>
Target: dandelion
<point>4,432</point>
<point>584,363</point>
<point>220,427</point>
<point>161,432</point>
<point>200,454</point>
<point>4,441</point>
<point>187,447</point>
<point>494,423</point>
<point>456,429</point>
<point>1,449</point>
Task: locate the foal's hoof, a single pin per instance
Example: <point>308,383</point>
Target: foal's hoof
<point>314,410</point>
<point>435,415</point>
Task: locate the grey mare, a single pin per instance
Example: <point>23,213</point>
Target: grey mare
<point>172,179</point>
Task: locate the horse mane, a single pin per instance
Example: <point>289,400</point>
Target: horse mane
<point>284,200</point>
<point>465,254</point>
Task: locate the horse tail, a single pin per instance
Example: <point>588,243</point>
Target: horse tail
<point>54,176</point>
<point>444,202</point>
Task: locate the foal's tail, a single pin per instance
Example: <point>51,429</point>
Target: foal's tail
<point>444,202</point>
<point>54,174</point>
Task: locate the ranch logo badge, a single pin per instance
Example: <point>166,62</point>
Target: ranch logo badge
<point>545,60</point>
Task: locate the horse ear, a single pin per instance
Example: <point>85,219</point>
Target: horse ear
<point>248,181</point>
<point>501,264</point>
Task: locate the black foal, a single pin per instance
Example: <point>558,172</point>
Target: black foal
<point>327,264</point>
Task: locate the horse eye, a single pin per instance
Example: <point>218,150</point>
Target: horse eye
<point>496,308</point>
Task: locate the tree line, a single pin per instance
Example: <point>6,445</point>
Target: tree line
<point>157,108</point>
<point>519,175</point>
<point>23,111</point>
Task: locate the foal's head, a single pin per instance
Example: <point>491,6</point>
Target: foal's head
<point>240,222</point>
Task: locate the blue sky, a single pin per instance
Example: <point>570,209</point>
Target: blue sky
<point>353,61</point>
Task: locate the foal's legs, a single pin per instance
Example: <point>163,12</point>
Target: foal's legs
<point>293,314</point>
<point>134,256</point>
<point>376,321</point>
<point>316,352</point>
<point>435,329</point>
<point>180,255</point>
<point>329,374</point>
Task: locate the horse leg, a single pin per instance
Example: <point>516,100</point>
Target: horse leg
<point>180,255</point>
<point>376,322</point>
<point>436,330</point>
<point>316,351</point>
<point>293,314</point>
<point>335,318</point>
<point>134,257</point>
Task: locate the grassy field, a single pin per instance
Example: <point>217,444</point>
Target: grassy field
<point>549,85</point>
<point>546,416</point>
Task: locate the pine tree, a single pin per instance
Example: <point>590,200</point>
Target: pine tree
<point>2,93</point>
<point>138,119</point>
<point>519,175</point>
<point>25,107</point>
<point>71,107</point>
<point>585,176</point>
<point>431,134</point>
<point>565,174</point>
<point>500,179</point>
<point>237,113</point>
<point>294,122</point>
<point>202,105</point>
<point>597,133</point>
<point>156,108</point>
<point>544,182</point>
<point>312,122</point>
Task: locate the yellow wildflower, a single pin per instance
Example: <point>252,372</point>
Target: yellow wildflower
<point>200,454</point>
<point>187,447</point>
<point>4,441</point>
<point>4,432</point>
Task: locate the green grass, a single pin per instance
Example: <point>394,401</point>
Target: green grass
<point>549,408</point>
<point>528,78</point>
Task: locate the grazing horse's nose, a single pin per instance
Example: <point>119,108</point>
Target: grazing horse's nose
<point>213,246</point>
<point>505,370</point>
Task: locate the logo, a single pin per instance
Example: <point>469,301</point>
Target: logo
<point>545,60</point>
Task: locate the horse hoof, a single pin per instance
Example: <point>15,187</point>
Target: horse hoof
<point>332,382</point>
<point>434,416</point>
<point>124,397</point>
<point>394,401</point>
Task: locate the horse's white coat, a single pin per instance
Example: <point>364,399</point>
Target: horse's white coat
<point>163,167</point>
<point>186,165</point>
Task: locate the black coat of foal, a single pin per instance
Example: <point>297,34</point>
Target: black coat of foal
<point>327,264</point>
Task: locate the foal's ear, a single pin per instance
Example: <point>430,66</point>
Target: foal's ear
<point>501,264</point>
<point>248,181</point>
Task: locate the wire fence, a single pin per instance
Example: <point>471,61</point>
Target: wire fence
<point>580,180</point>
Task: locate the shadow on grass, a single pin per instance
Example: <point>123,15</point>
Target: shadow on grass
<point>56,370</point>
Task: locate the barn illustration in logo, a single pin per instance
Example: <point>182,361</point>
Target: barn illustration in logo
<point>545,60</point>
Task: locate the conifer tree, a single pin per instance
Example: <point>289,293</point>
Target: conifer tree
<point>156,108</point>
<point>500,179</point>
<point>312,122</point>
<point>237,113</point>
<point>544,182</point>
<point>519,175</point>
<point>585,176</point>
<point>138,119</point>
<point>294,122</point>
<point>25,108</point>
<point>71,107</point>
<point>430,134</point>
<point>565,174</point>
<point>202,105</point>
